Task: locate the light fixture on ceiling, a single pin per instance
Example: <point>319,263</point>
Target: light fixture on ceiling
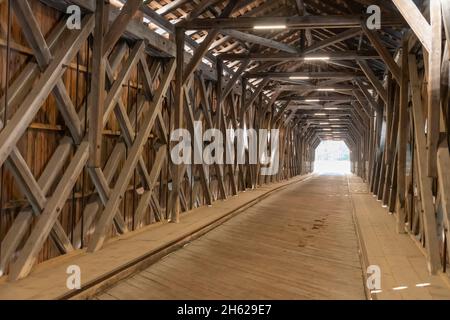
<point>334,119</point>
<point>116,3</point>
<point>426,284</point>
<point>376,291</point>
<point>326,89</point>
<point>400,288</point>
<point>316,58</point>
<point>326,129</point>
<point>323,123</point>
<point>298,78</point>
<point>331,108</point>
<point>269,27</point>
<point>312,100</point>
<point>320,114</point>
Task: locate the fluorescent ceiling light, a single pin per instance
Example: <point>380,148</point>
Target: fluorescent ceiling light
<point>323,123</point>
<point>326,89</point>
<point>331,108</point>
<point>317,58</point>
<point>326,129</point>
<point>116,3</point>
<point>266,27</point>
<point>320,114</point>
<point>423,284</point>
<point>376,291</point>
<point>299,78</point>
<point>334,119</point>
<point>312,100</point>
<point>400,288</point>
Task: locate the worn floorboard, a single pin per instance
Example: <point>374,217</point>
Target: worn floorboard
<point>48,280</point>
<point>300,243</point>
<point>403,266</point>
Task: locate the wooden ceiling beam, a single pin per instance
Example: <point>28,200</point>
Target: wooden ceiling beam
<point>281,56</point>
<point>383,4</point>
<point>307,114</point>
<point>300,4</point>
<point>373,79</point>
<point>199,54</point>
<point>344,64</point>
<point>347,34</point>
<point>384,53</point>
<point>200,8</point>
<point>318,98</point>
<point>295,22</point>
<point>257,10</point>
<point>310,75</point>
<point>416,21</point>
<point>266,65</point>
<point>285,37</point>
<point>322,36</point>
<point>376,106</point>
<point>339,121</point>
<point>229,86</point>
<point>247,37</point>
<point>119,25</point>
<point>171,6</point>
<point>306,87</point>
<point>242,4</point>
<point>256,93</point>
<point>315,108</point>
<point>204,46</point>
<point>219,42</point>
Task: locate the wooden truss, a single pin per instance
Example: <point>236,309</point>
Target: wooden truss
<point>113,65</point>
<point>107,168</point>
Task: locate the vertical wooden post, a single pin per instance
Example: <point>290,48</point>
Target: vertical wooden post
<point>434,86</point>
<point>402,139</point>
<point>219,96</point>
<point>243,168</point>
<point>425,182</point>
<point>97,95</point>
<point>371,148</point>
<point>178,122</point>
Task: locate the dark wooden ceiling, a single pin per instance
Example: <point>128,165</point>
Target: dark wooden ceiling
<point>350,49</point>
<point>227,42</point>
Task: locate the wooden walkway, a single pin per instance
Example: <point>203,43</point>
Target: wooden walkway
<point>300,243</point>
<point>126,254</point>
<point>402,262</point>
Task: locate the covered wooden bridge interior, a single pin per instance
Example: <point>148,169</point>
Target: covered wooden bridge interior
<point>92,89</point>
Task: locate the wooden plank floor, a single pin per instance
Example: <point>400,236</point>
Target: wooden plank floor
<point>48,280</point>
<point>403,265</point>
<point>300,243</point>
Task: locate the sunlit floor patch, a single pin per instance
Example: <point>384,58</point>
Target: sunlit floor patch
<point>332,167</point>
